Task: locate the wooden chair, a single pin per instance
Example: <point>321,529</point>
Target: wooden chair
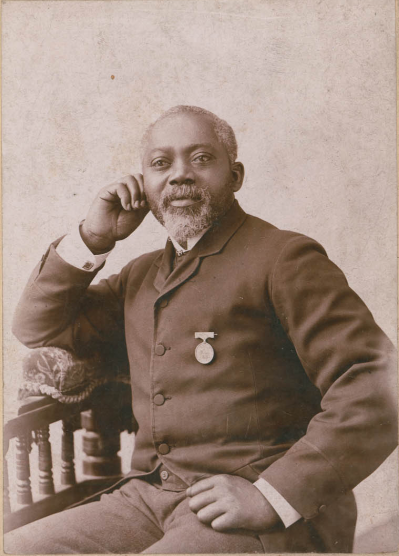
<point>103,416</point>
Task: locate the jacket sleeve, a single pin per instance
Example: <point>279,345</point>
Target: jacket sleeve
<point>350,360</point>
<point>58,308</point>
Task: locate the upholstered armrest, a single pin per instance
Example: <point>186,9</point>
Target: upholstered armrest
<point>60,374</point>
<point>95,399</point>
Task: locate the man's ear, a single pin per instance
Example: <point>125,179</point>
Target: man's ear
<point>238,173</point>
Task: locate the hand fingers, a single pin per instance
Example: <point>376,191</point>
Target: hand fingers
<point>223,522</point>
<point>122,191</point>
<point>201,486</point>
<point>211,512</point>
<point>203,499</point>
<point>135,187</point>
<point>117,192</point>
<point>140,181</point>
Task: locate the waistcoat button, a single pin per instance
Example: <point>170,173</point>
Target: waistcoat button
<point>159,399</point>
<point>164,475</point>
<point>163,449</point>
<point>160,349</point>
<point>164,303</point>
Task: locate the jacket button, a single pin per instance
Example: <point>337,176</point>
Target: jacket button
<point>163,449</point>
<point>164,475</point>
<point>160,349</point>
<point>159,399</point>
<point>164,303</point>
<point>322,508</point>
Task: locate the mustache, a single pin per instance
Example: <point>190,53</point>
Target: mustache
<point>182,192</point>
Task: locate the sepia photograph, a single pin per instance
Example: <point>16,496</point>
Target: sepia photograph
<point>199,277</point>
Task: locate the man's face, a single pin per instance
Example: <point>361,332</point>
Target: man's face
<point>189,180</point>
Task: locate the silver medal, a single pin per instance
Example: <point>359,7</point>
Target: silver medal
<point>204,352</point>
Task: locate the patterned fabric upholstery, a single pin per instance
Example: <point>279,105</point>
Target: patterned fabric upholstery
<point>58,373</point>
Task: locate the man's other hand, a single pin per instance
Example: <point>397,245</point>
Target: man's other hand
<point>116,212</point>
<point>229,502</point>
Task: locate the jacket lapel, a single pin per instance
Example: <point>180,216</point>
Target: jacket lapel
<point>221,232</point>
<point>210,244</point>
<point>164,263</point>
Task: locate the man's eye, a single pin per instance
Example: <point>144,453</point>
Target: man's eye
<point>159,163</point>
<point>202,158</point>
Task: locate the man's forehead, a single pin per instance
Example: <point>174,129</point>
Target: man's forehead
<point>181,129</point>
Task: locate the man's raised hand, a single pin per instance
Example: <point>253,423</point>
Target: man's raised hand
<point>229,502</point>
<point>116,212</point>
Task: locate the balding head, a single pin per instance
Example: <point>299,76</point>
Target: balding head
<point>222,129</point>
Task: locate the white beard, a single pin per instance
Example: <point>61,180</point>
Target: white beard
<point>183,223</point>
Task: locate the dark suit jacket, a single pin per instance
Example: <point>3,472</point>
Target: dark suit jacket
<point>298,392</point>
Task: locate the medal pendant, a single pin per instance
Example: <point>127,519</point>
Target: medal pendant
<point>204,352</point>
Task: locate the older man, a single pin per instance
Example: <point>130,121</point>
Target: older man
<point>260,381</point>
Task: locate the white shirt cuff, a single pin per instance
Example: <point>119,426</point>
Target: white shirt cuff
<point>75,252</point>
<point>285,511</point>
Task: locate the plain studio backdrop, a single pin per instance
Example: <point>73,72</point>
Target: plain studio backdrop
<point>309,88</point>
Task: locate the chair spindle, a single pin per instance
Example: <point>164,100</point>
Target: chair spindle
<point>24,491</point>
<point>68,476</point>
<point>46,483</point>
<point>101,443</point>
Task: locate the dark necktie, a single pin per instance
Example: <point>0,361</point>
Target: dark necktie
<point>178,258</point>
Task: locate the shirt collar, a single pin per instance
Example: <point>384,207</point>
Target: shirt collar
<point>190,242</point>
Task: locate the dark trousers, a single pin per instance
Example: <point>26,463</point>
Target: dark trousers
<point>149,516</point>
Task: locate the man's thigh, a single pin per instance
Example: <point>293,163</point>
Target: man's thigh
<point>115,524</point>
<point>185,534</point>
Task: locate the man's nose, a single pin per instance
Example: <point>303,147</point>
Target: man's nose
<point>181,174</point>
